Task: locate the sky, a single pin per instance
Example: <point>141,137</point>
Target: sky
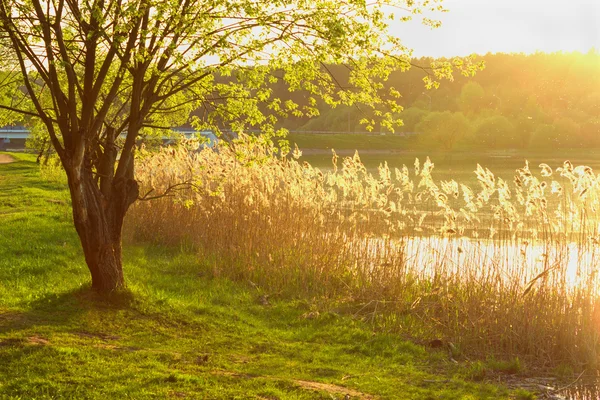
<point>482,26</point>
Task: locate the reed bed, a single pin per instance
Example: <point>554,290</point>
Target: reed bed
<point>505,269</point>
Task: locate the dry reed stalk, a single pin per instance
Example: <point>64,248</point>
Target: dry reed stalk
<point>509,268</point>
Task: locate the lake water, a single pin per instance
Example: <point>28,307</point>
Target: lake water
<point>510,261</point>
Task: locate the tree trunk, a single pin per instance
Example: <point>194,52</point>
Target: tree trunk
<point>98,219</point>
<point>42,150</point>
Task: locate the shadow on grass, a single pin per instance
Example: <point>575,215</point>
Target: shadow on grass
<point>64,309</point>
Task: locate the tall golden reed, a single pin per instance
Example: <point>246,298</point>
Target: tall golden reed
<point>508,267</point>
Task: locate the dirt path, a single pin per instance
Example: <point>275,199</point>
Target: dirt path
<point>5,159</point>
<point>309,385</point>
<point>329,388</point>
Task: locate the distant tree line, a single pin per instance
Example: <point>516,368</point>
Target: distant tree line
<point>518,101</point>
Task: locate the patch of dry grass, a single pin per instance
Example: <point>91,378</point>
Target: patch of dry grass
<point>508,268</point>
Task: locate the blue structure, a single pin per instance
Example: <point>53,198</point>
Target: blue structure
<point>14,132</point>
<point>15,136</point>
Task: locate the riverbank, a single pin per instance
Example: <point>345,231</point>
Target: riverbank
<point>178,333</point>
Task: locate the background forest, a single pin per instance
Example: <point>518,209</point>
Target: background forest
<point>518,101</point>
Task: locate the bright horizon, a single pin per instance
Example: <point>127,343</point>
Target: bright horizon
<point>506,26</point>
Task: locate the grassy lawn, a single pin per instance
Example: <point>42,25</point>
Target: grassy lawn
<point>177,333</point>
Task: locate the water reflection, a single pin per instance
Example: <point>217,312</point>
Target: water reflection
<point>508,260</point>
<point>511,267</point>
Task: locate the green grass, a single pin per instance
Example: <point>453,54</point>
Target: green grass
<point>176,333</point>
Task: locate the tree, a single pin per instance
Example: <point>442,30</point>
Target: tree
<point>524,129</point>
<point>545,136</point>
<point>39,141</point>
<point>471,99</point>
<point>411,117</point>
<point>94,71</point>
<point>497,132</point>
<point>568,132</point>
<point>443,129</point>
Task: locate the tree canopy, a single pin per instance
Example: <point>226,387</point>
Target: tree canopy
<point>90,71</point>
<point>516,95</point>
